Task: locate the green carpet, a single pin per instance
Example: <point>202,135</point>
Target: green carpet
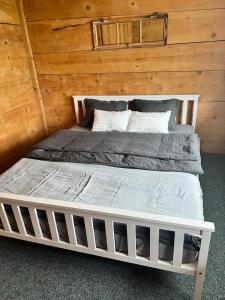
<point>32,271</point>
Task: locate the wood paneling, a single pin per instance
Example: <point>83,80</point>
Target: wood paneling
<point>8,12</point>
<point>75,34</point>
<point>193,62</point>
<point>20,121</point>
<point>182,57</point>
<point>42,9</point>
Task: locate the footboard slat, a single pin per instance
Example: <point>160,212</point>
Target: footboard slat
<point>110,238</point>
<point>178,248</point>
<point>4,218</point>
<point>35,222</point>
<point>90,232</point>
<point>70,228</point>
<point>131,239</point>
<point>19,219</point>
<point>154,243</point>
<point>52,225</point>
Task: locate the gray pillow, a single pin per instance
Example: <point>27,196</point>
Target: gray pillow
<point>92,104</point>
<point>158,106</point>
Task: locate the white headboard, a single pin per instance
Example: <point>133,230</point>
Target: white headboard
<point>184,98</point>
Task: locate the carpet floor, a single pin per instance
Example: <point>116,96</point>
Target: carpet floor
<point>32,271</point>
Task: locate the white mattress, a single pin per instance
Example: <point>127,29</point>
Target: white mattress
<point>165,193</point>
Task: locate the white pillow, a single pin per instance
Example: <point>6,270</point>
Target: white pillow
<point>154,122</point>
<point>110,120</point>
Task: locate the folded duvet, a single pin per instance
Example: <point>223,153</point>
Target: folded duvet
<point>147,151</point>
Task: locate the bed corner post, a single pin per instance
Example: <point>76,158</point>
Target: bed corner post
<point>202,261</point>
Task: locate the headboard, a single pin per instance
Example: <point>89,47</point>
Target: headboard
<point>185,99</point>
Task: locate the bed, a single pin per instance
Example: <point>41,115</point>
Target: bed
<point>143,218</point>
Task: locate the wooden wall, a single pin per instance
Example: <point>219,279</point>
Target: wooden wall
<point>192,63</point>
<point>20,120</point>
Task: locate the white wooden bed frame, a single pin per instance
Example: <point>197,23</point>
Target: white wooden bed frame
<point>111,215</point>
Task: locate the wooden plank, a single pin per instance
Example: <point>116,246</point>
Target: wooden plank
<point>64,35</point>
<point>37,93</point>
<point>4,218</point>
<point>196,26</point>
<point>8,12</point>
<point>70,228</point>
<point>110,238</point>
<point>185,57</point>
<point>52,225</point>
<point>19,219</point>
<point>178,248</point>
<point>76,34</point>
<point>131,239</point>
<point>58,89</point>
<point>42,9</point>
<point>35,222</point>
<point>154,243</point>
<point>90,232</point>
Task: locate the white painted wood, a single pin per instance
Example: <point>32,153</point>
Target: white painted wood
<point>131,239</point>
<point>109,230</point>
<point>19,219</point>
<point>35,222</point>
<point>76,108</point>
<point>183,98</point>
<point>194,113</point>
<point>131,219</point>
<point>140,218</point>
<point>188,269</point>
<point>154,243</point>
<point>178,248</point>
<point>90,232</point>
<point>4,218</point>
<point>202,261</point>
<point>70,228</point>
<point>184,112</point>
<point>52,225</point>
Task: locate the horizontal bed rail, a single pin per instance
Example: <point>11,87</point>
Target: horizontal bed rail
<point>110,216</point>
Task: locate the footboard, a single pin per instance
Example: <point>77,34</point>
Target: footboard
<point>109,216</point>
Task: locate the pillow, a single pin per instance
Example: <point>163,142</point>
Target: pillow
<point>158,106</point>
<point>110,120</point>
<point>92,104</point>
<point>156,122</point>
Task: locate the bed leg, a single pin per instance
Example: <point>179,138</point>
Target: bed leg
<point>200,277</point>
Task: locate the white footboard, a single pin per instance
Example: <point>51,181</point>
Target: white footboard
<point>110,216</point>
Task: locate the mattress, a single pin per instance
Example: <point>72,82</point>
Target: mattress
<point>165,193</point>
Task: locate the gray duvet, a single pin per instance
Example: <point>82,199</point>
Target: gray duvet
<point>148,151</point>
<point>165,193</point>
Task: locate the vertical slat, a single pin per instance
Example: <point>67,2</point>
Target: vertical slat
<point>35,222</point>
<point>117,33</point>
<point>110,238</point>
<point>52,225</point>
<point>90,232</point>
<point>131,239</point>
<point>194,113</point>
<point>202,261</point>
<point>76,107</point>
<point>140,31</point>
<point>178,248</point>
<point>184,112</point>
<point>83,108</point>
<point>19,219</point>
<point>70,228</point>
<point>4,218</point>
<point>154,243</point>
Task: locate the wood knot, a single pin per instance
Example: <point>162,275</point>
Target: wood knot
<point>87,6</point>
<point>132,3</point>
<point>213,35</point>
